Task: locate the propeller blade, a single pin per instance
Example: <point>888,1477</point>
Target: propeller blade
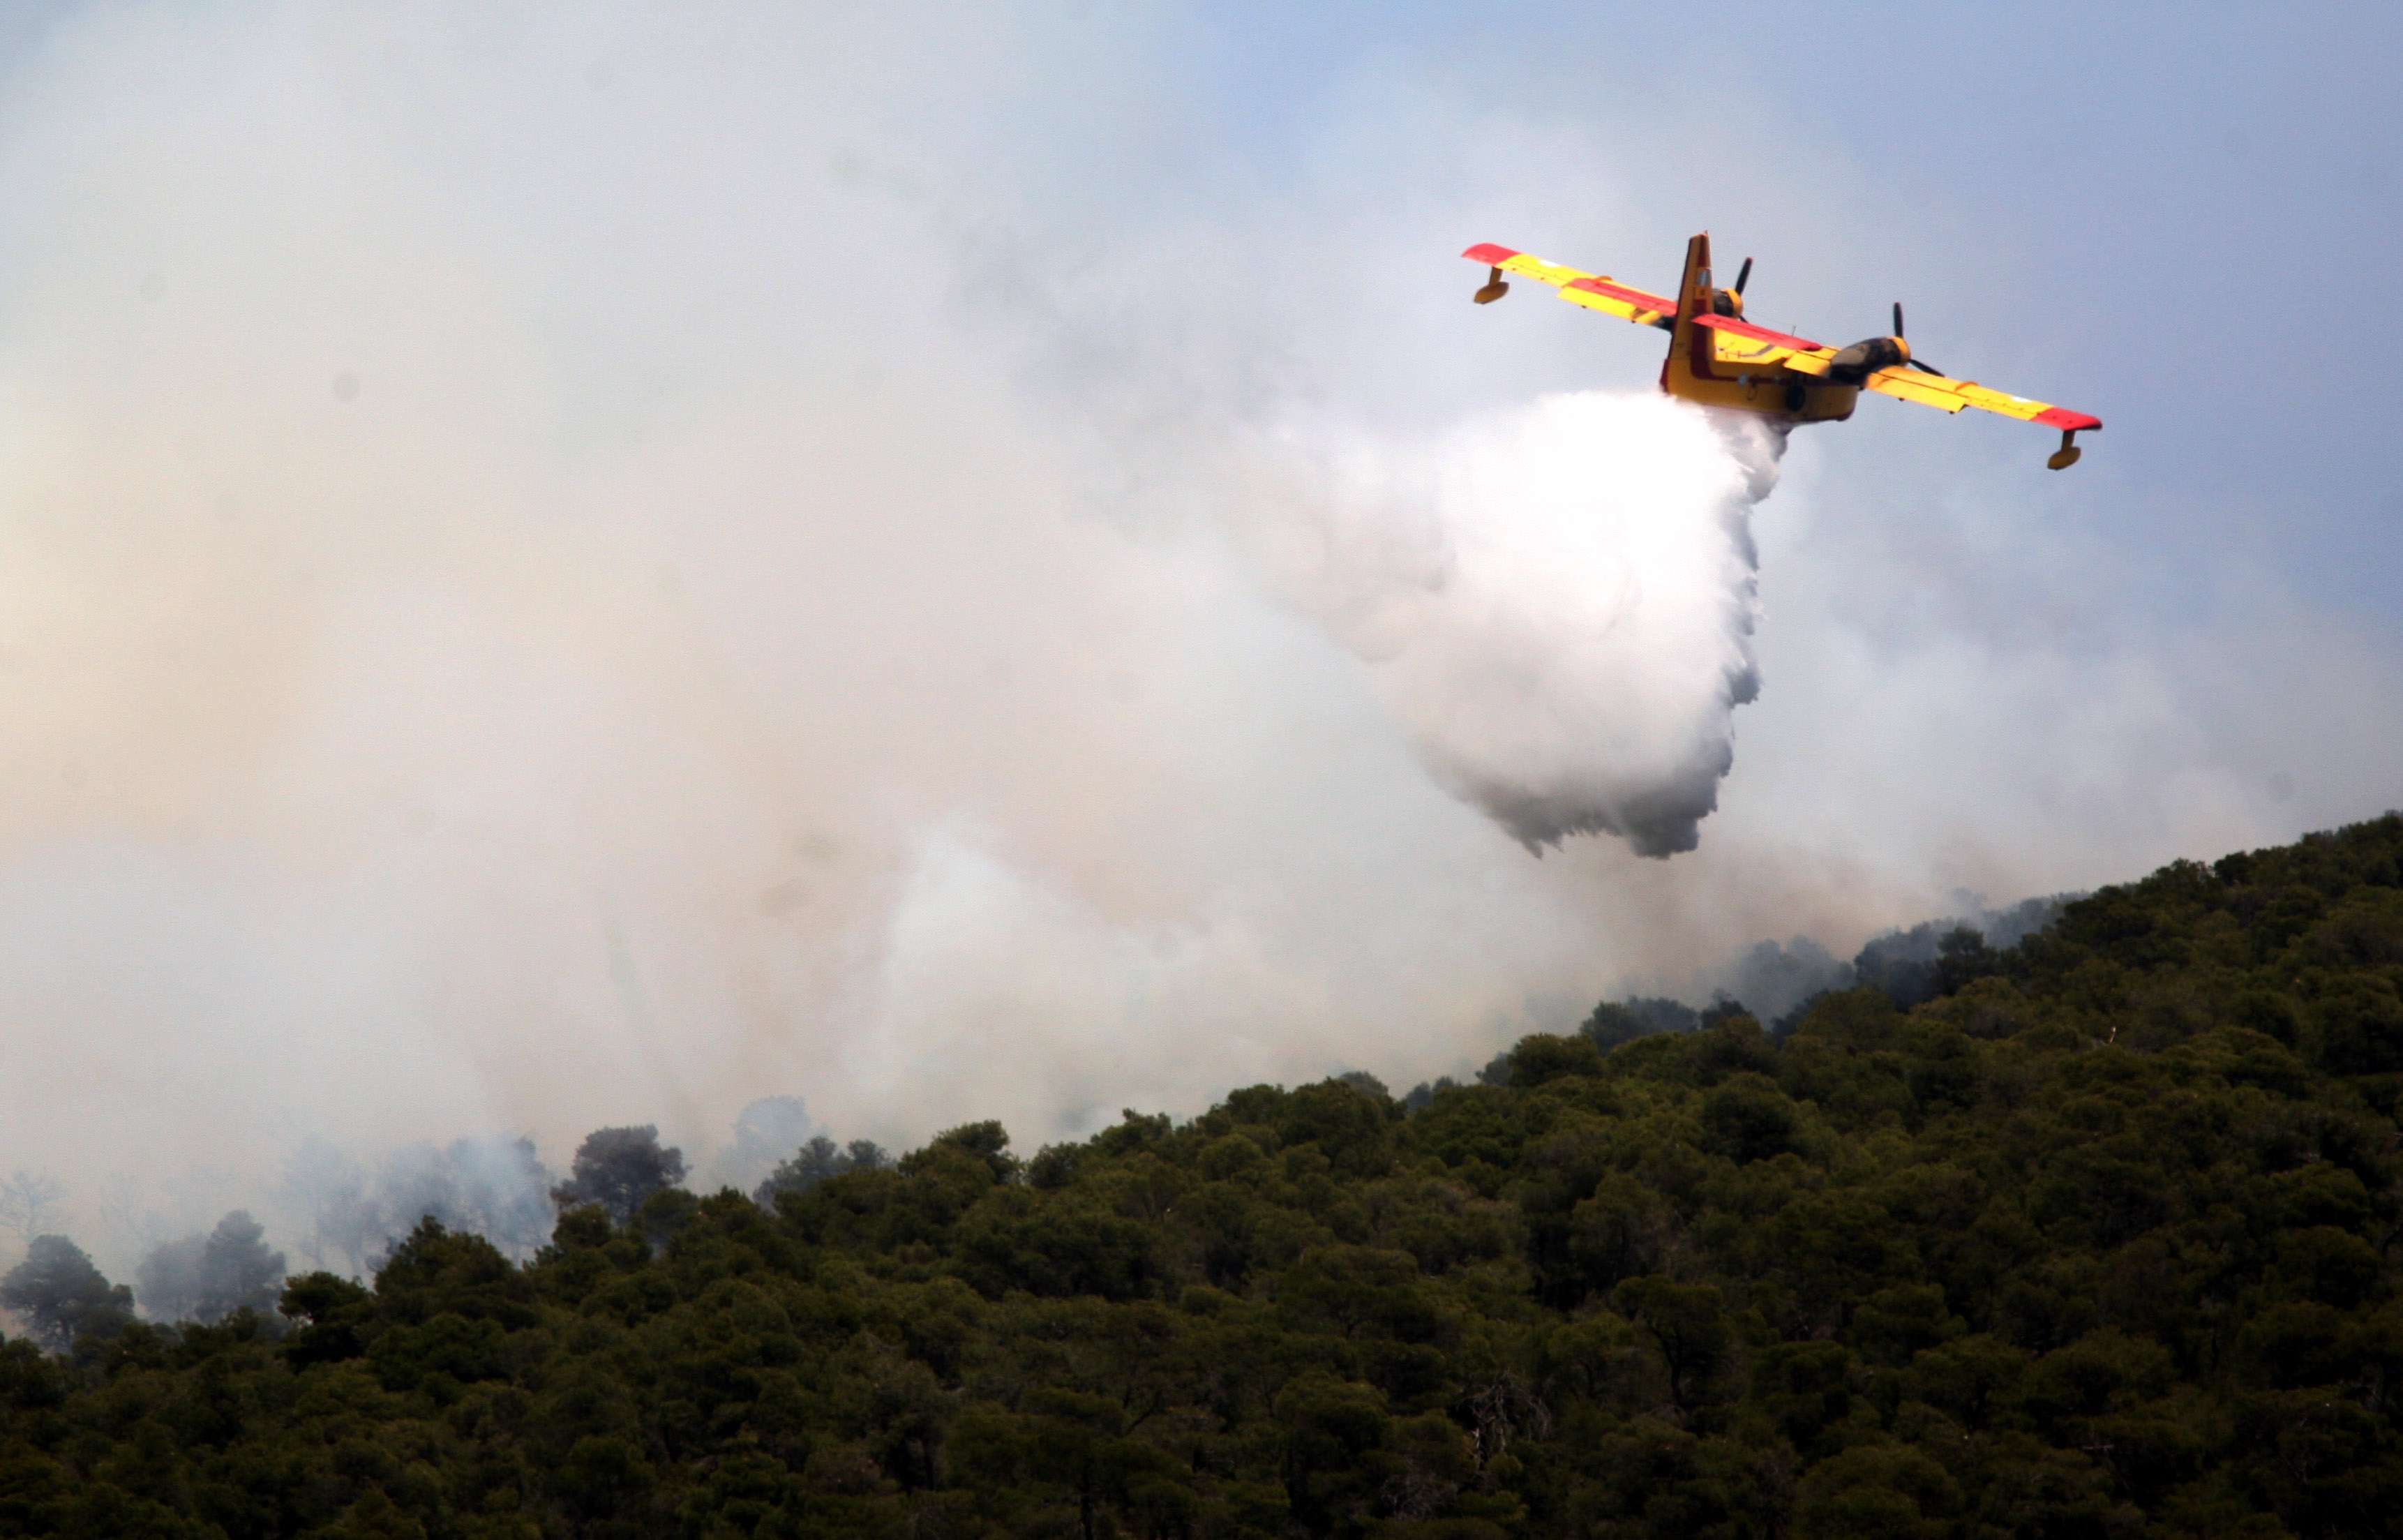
<point>1741,273</point>
<point>1898,318</point>
<point>1924,368</point>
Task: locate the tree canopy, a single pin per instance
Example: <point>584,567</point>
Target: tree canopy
<point>2096,1240</point>
<point>59,1291</point>
<point>619,1169</point>
<point>208,1277</point>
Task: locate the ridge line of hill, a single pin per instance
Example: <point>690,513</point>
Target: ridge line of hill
<point>2097,1239</point>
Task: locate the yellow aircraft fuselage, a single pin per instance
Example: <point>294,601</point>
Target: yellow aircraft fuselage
<point>1770,390</point>
<point>1692,372</point>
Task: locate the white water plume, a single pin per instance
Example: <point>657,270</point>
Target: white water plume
<point>1558,601</point>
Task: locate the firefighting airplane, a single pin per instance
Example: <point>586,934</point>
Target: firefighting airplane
<point>1718,359</point>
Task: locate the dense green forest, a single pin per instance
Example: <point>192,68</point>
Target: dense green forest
<point>2098,1239</point>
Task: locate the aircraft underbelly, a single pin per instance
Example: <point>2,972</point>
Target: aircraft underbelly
<point>1771,392</point>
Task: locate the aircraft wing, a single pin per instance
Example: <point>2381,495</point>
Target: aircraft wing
<point>1944,395</point>
<point>1594,291</point>
<point>1740,343</point>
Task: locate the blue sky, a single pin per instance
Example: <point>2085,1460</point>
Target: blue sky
<point>2144,203</point>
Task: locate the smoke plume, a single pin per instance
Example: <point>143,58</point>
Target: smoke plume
<point>572,567</point>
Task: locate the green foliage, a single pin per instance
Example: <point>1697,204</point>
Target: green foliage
<point>619,1169</point>
<point>62,1296</point>
<point>2096,1240</point>
<point>816,1161</point>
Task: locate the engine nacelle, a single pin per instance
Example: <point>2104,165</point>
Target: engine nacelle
<point>1727,302</point>
<point>1852,365</point>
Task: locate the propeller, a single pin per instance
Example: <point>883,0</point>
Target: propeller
<point>1741,273</point>
<point>1924,368</point>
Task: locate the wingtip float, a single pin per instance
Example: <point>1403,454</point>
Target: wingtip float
<point>1718,359</point>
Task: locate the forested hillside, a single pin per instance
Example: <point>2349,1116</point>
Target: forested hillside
<point>2098,1241</point>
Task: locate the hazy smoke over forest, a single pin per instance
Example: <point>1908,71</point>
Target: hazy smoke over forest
<point>571,567</point>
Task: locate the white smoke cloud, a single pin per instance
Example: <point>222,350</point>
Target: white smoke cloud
<point>556,577</point>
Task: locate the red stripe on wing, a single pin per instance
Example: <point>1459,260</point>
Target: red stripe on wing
<point>1637,297</point>
<point>1493,257</point>
<point>1758,334</point>
<point>2062,416</point>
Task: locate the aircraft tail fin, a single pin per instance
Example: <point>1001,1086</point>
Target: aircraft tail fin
<point>1693,298</point>
<point>1694,289</point>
